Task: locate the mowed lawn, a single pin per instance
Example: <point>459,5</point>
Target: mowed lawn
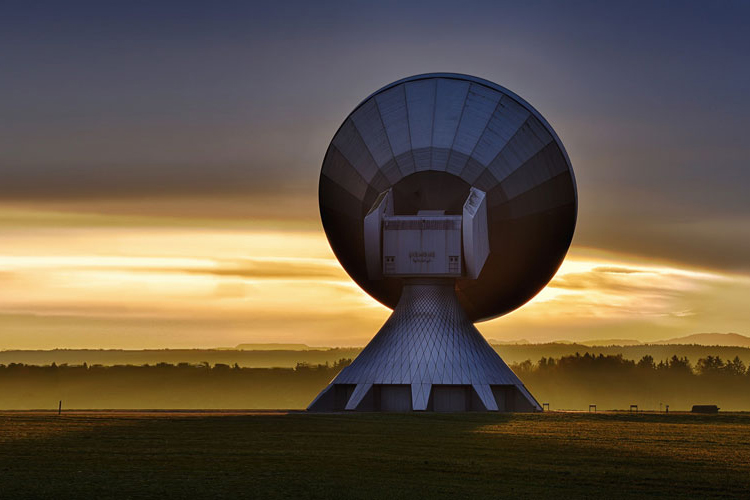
<point>298,455</point>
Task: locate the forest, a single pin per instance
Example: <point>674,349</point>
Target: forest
<point>613,382</point>
<point>568,382</point>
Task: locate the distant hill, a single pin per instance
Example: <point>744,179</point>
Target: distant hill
<point>518,353</point>
<point>508,342</point>
<point>722,339</point>
<point>694,347</point>
<point>256,358</point>
<point>606,342</point>
<point>274,347</point>
<point>703,339</point>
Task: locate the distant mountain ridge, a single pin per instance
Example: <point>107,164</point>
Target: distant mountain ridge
<point>511,353</point>
<point>709,339</point>
<point>704,339</point>
<point>273,347</point>
<point>606,342</point>
<point>508,342</point>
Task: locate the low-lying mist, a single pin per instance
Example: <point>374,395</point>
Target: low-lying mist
<point>569,382</point>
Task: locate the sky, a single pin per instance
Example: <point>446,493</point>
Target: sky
<point>159,163</point>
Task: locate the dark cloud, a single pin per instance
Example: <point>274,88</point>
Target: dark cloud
<point>104,100</point>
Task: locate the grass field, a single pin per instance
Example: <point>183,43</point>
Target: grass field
<point>298,455</point>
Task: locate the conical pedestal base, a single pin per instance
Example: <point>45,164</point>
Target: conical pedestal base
<point>427,357</point>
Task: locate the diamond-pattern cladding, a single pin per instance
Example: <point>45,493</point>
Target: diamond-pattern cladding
<point>428,340</point>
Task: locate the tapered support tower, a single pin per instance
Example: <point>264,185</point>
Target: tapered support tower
<point>427,356</point>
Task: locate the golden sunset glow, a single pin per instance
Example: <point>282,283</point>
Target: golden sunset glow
<point>86,280</point>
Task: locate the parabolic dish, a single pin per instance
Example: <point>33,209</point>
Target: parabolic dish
<point>431,138</point>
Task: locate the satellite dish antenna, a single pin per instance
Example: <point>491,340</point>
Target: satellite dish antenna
<point>451,200</point>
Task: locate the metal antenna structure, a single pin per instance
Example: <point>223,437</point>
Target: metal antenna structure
<point>451,200</point>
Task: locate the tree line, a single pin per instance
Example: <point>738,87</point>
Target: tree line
<point>708,366</point>
<point>567,382</point>
<point>613,382</point>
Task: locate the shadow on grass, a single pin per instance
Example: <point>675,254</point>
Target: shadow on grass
<point>366,456</point>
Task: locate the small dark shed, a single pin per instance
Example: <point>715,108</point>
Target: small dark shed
<point>705,409</point>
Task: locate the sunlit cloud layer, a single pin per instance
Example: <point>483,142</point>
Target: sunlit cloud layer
<point>226,110</point>
<point>181,285</point>
<point>158,172</point>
